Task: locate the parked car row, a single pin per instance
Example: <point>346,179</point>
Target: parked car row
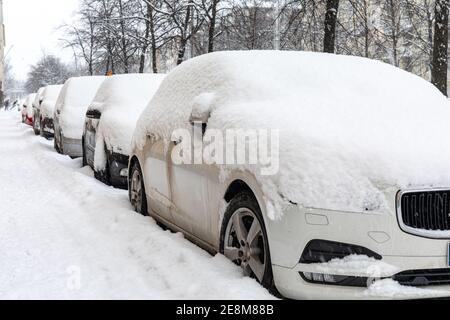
<point>361,184</point>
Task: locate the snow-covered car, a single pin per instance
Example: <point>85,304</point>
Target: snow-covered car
<point>27,110</point>
<point>37,111</point>
<point>110,122</point>
<point>356,187</point>
<point>49,97</point>
<point>70,111</point>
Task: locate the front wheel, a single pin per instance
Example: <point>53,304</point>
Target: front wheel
<point>35,128</point>
<point>137,194</point>
<point>84,154</point>
<point>244,239</point>
<point>55,144</point>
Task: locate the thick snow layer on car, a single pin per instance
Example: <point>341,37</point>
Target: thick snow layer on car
<point>49,98</point>
<point>73,101</point>
<point>121,100</point>
<point>38,99</point>
<point>356,265</point>
<point>29,104</point>
<point>349,127</point>
<point>64,235</point>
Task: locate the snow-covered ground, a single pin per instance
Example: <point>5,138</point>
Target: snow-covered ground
<point>63,235</point>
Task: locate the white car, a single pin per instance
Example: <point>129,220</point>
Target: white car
<point>70,110</point>
<point>37,111</point>
<point>354,196</point>
<point>49,98</point>
<point>110,122</point>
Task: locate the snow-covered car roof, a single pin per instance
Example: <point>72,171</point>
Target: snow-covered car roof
<point>349,127</point>
<point>121,100</point>
<point>49,97</point>
<point>73,101</point>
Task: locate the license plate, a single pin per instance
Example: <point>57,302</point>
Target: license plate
<point>448,255</point>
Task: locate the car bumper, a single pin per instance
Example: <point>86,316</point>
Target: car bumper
<point>47,128</point>
<point>379,233</point>
<point>72,147</point>
<point>119,170</point>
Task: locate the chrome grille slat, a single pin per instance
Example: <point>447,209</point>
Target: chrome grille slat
<point>426,210</point>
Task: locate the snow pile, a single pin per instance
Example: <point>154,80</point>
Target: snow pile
<point>49,97</point>
<point>121,100</point>
<point>29,104</point>
<point>75,97</point>
<point>349,127</point>
<point>390,289</point>
<point>356,265</point>
<point>75,238</point>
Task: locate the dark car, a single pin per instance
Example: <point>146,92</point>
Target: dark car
<point>110,123</point>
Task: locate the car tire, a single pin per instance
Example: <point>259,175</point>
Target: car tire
<point>35,129</point>
<point>245,209</point>
<point>105,175</point>
<point>57,146</point>
<point>136,191</point>
<point>84,154</point>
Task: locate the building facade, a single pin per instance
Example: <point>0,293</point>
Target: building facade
<point>2,54</point>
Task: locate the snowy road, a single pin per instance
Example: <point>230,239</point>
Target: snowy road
<point>63,235</point>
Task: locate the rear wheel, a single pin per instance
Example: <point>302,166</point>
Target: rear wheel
<point>137,194</point>
<point>55,143</point>
<point>84,154</point>
<point>244,239</point>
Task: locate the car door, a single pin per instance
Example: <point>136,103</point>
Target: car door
<point>189,191</point>
<point>156,176</point>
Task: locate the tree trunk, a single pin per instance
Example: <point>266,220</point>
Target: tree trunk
<point>153,44</point>
<point>146,41</point>
<point>124,41</point>
<point>181,51</point>
<point>330,26</point>
<point>212,26</point>
<point>184,35</point>
<point>440,48</point>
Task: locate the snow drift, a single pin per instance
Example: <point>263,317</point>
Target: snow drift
<point>349,127</point>
<point>73,101</point>
<point>121,100</point>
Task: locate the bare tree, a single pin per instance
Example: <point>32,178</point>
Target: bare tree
<point>47,71</point>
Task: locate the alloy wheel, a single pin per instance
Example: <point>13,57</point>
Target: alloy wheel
<point>245,244</point>
<point>136,191</point>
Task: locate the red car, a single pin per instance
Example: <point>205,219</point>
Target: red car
<point>27,110</point>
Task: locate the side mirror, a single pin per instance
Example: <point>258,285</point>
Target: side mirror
<point>93,114</point>
<point>200,116</point>
<point>201,110</point>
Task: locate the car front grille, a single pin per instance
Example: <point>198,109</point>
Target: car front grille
<point>419,278</point>
<point>426,210</point>
<point>411,278</point>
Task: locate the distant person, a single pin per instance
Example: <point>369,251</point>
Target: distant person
<point>7,104</point>
<point>15,105</point>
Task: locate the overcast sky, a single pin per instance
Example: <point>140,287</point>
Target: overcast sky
<point>31,29</point>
